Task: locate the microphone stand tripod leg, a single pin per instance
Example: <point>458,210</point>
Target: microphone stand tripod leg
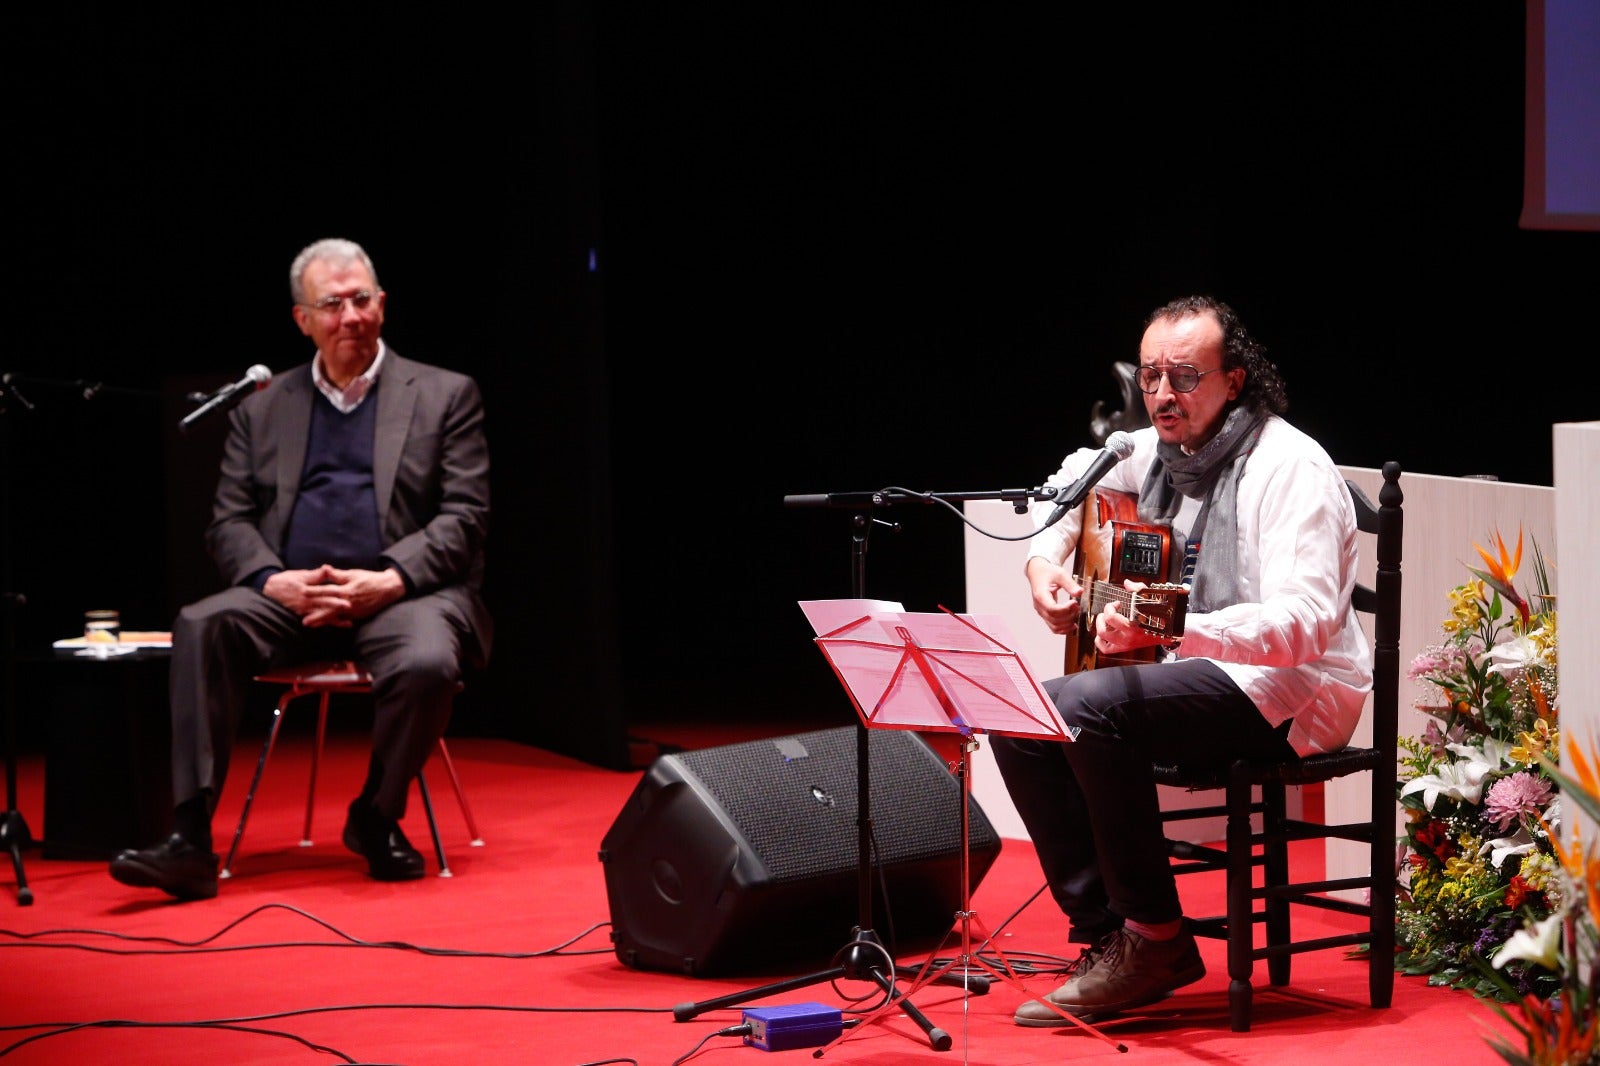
<point>14,834</point>
<point>685,1011</point>
<point>938,1039</point>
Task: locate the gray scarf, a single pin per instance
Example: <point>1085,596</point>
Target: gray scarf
<point>1210,475</point>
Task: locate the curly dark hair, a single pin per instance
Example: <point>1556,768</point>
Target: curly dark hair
<point>1263,386</point>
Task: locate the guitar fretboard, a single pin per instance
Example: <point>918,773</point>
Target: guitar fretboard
<point>1104,592</point>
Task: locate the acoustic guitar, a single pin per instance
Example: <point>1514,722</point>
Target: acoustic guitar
<point>1114,546</point>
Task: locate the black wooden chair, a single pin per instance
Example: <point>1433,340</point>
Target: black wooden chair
<point>1259,788</point>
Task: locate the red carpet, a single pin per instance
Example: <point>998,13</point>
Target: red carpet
<point>306,960</point>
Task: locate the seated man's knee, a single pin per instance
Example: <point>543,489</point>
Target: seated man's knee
<point>209,619</point>
<point>1082,699</point>
<point>424,672</point>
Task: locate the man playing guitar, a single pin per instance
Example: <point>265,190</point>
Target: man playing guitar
<point>1225,546</point>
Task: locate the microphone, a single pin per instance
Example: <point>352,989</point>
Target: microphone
<point>257,377</point>
<point>1117,448</point>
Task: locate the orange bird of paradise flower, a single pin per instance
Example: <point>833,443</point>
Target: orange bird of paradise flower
<point>1502,571</point>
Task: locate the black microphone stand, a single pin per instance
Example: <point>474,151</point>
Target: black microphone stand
<point>864,957</point>
<point>14,833</point>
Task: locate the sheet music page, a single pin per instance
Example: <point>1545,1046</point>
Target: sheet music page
<point>931,671</point>
<point>826,616</point>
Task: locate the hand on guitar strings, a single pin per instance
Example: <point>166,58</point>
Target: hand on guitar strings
<point>1115,633</point>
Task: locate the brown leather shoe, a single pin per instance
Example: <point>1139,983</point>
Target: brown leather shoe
<point>1131,972</point>
<point>1035,1013</point>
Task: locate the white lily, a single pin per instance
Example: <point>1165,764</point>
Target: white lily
<point>1552,816</point>
<point>1501,848</point>
<point>1462,779</point>
<point>1540,943</point>
<point>1513,657</point>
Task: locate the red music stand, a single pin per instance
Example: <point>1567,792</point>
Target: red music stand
<point>945,673</point>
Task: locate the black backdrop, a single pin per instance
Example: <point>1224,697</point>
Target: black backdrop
<point>704,257</point>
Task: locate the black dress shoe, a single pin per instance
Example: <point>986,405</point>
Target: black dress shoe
<point>175,866</point>
<point>389,855</point>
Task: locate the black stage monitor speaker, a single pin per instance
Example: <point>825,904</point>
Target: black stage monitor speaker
<point>743,857</point>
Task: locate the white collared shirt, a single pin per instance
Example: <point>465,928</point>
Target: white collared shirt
<point>348,398</point>
<point>1292,643</point>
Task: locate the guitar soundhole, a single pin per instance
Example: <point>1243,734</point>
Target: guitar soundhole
<point>1141,555</point>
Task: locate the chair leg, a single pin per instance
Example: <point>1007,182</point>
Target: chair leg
<point>1381,894</point>
<point>316,763</point>
<point>1241,928</point>
<point>461,797</point>
<point>1275,870</point>
<point>249,797</point>
<point>433,824</point>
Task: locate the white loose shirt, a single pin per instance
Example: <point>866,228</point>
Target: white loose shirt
<point>1292,643</point>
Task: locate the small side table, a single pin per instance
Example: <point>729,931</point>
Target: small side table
<point>107,777</point>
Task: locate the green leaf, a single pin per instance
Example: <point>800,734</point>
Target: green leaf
<point>1571,788</point>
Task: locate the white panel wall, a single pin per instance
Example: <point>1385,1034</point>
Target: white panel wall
<point>1577,475</point>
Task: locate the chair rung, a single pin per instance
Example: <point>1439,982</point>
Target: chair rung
<point>1307,888</point>
<point>1184,849</point>
<point>1189,814</point>
<point>1329,903</point>
<point>1296,947</point>
<point>1298,830</point>
<point>1216,928</point>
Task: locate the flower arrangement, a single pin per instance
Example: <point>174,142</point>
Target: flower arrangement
<point>1481,789</point>
<point>1561,1029</point>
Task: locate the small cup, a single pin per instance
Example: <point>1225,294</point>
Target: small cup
<point>102,633</point>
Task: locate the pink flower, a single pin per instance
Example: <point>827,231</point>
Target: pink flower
<point>1512,797</point>
<point>1431,663</point>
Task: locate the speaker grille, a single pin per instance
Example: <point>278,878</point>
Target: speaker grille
<point>795,799</point>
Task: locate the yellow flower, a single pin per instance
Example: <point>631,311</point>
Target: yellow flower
<point>1466,607</point>
<point>1532,745</point>
<point>1544,636</point>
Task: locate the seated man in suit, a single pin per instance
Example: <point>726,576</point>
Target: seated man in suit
<point>349,522</point>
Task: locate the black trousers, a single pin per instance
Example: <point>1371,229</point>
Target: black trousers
<point>412,648</point>
<point>1091,805</point>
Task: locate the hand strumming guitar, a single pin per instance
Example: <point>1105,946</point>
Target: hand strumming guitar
<point>1057,596</point>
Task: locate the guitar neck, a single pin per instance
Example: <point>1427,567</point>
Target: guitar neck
<point>1102,593</point>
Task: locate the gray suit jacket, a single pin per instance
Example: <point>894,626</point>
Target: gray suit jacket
<point>430,466</point>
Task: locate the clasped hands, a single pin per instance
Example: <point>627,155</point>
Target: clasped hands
<point>1058,599</point>
<point>329,596</point>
